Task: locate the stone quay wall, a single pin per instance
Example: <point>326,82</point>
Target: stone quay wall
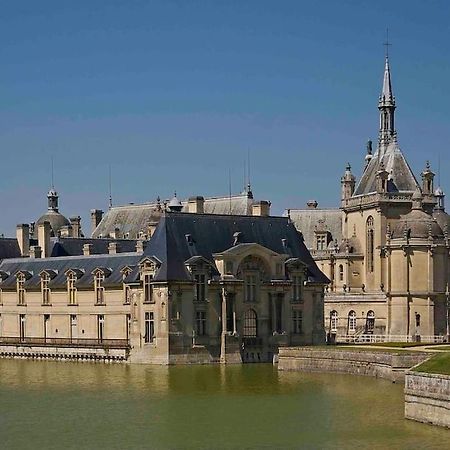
<point>391,366</point>
<point>427,398</point>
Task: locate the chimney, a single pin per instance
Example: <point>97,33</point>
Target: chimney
<point>261,208</point>
<point>44,238</point>
<point>35,252</point>
<point>76,226</point>
<point>23,238</point>
<point>140,246</point>
<point>66,231</point>
<point>87,249</point>
<point>196,205</point>
<point>113,248</point>
<point>96,217</point>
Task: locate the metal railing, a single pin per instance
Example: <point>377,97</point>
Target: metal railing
<point>380,338</point>
<point>64,342</point>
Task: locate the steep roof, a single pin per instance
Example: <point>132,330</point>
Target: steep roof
<point>401,177</point>
<point>180,236</point>
<point>131,220</point>
<point>9,248</point>
<point>67,246</point>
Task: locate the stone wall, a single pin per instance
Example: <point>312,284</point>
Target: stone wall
<point>391,366</point>
<point>427,398</point>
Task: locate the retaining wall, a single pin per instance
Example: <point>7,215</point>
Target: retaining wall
<point>427,398</point>
<point>391,366</point>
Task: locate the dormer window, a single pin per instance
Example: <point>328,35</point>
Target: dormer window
<point>45,290</point>
<point>200,287</point>
<point>71,289</point>
<point>99,278</point>
<point>21,288</point>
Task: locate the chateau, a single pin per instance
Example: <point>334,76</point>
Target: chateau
<point>386,249</point>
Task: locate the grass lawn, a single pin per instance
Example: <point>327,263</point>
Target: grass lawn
<point>439,363</point>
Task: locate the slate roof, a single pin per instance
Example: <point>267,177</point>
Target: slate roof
<point>9,248</point>
<point>308,220</point>
<point>180,236</point>
<point>131,220</point>
<point>66,246</point>
<point>84,264</point>
<point>401,177</point>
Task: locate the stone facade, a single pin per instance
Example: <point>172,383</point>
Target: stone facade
<point>388,255</point>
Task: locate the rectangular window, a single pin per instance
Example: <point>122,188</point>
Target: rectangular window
<point>45,290</point>
<point>149,335</point>
<point>99,289</point>
<point>250,286</point>
<point>200,287</point>
<point>21,289</point>
<point>297,321</point>
<point>148,288</point>
<point>279,314</point>
<point>71,289</point>
<point>46,326</point>
<point>73,326</point>
<point>22,321</point>
<point>100,327</point>
<point>128,325</point>
<point>126,294</point>
<point>297,285</point>
<point>200,323</point>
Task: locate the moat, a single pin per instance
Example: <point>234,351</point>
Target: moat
<point>56,405</point>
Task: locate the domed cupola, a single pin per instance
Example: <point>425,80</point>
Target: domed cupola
<point>417,224</point>
<point>56,219</point>
<point>442,218</point>
<point>175,204</point>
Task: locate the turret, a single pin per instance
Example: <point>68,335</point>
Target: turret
<point>386,106</point>
<point>348,183</point>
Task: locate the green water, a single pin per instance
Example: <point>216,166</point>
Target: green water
<point>57,405</point>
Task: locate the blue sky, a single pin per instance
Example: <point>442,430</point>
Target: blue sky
<point>174,93</point>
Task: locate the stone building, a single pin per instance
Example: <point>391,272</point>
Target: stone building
<point>386,249</point>
<point>205,288</point>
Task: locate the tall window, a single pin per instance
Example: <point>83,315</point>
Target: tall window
<point>71,289</point>
<point>126,294</point>
<point>370,322</point>
<point>321,242</point>
<point>200,323</point>
<point>279,313</point>
<point>417,320</point>
<point>99,278</point>
<point>333,321</point>
<point>370,244</point>
<point>200,287</point>
<point>45,290</point>
<point>21,288</point>
<point>148,288</point>
<point>22,321</point>
<point>250,287</point>
<point>73,326</point>
<point>341,272</point>
<point>250,323</point>
<point>351,321</point>
<point>149,335</point>
<point>297,284</point>
<point>100,327</point>
<point>128,326</point>
<point>297,319</point>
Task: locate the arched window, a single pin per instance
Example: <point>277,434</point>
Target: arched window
<point>370,243</point>
<point>370,322</point>
<point>341,272</point>
<point>250,323</point>
<point>351,322</point>
<point>333,321</point>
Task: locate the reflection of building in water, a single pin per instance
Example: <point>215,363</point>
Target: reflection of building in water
<point>205,288</point>
<point>386,250</point>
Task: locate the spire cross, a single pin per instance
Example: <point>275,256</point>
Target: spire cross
<point>53,183</point>
<point>387,43</point>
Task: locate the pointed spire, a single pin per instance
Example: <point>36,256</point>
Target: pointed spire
<point>386,105</point>
<point>386,93</point>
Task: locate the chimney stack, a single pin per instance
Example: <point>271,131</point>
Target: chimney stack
<point>44,238</point>
<point>196,205</point>
<point>23,238</point>
<point>96,217</point>
<point>76,226</point>
<point>261,208</point>
<point>66,231</point>
<point>87,249</point>
<point>140,246</point>
<point>113,248</point>
<point>35,252</point>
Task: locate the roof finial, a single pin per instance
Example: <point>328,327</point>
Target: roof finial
<point>53,181</point>
<point>110,187</point>
<point>387,43</point>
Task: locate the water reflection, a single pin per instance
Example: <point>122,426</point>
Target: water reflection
<point>78,405</point>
